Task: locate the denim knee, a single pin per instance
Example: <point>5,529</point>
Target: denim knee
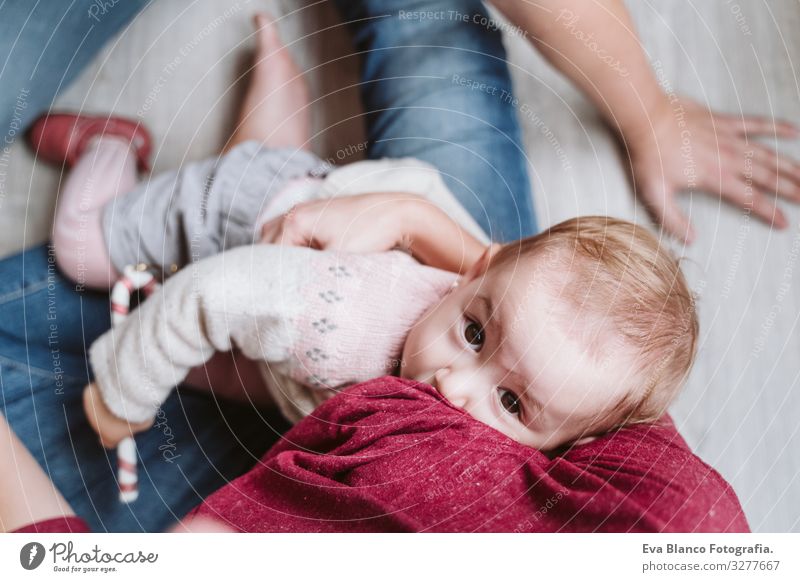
<point>45,46</point>
<point>436,86</point>
<point>43,308</point>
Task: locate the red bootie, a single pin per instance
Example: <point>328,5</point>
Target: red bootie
<point>61,138</point>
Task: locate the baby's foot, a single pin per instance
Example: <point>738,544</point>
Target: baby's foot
<point>276,107</point>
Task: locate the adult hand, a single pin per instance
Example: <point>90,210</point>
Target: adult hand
<point>377,222</point>
<point>110,428</point>
<point>362,223</point>
<point>690,147</point>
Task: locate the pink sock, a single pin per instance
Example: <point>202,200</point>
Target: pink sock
<point>106,169</point>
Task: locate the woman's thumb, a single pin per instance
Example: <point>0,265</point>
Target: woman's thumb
<point>660,201</point>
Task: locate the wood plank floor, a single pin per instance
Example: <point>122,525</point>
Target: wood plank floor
<point>179,67</point>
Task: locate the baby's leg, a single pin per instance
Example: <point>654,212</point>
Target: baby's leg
<point>106,169</point>
<point>276,109</point>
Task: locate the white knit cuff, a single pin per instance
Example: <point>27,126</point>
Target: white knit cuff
<point>119,399</point>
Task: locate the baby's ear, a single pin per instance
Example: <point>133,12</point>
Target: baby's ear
<point>482,264</point>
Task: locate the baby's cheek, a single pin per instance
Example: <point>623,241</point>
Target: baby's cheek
<point>415,354</point>
<point>409,357</point>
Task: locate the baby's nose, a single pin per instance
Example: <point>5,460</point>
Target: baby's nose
<point>448,386</point>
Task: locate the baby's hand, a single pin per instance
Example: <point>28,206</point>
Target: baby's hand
<point>110,428</point>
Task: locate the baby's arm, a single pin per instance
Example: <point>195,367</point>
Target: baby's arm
<point>227,301</point>
<point>378,222</point>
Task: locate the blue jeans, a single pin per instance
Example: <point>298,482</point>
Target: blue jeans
<point>195,447</point>
<point>417,105</point>
<point>435,86</point>
<point>44,45</point>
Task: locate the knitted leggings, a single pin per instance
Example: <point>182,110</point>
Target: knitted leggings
<point>106,169</point>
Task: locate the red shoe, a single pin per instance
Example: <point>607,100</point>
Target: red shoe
<point>62,137</point>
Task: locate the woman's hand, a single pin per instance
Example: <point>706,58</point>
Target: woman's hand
<point>363,223</point>
<point>110,428</point>
<point>377,222</point>
<point>689,147</point>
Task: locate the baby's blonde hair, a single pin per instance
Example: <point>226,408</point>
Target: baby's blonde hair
<point>623,279</point>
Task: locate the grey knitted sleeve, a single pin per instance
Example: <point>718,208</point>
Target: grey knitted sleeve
<point>200,209</point>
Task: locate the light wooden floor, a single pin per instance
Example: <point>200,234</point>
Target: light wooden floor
<point>177,66</point>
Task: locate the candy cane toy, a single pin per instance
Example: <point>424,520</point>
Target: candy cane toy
<point>133,278</point>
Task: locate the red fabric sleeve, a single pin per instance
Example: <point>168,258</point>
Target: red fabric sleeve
<point>71,524</point>
<point>392,455</point>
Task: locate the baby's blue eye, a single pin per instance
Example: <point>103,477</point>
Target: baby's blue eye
<point>473,333</point>
<point>509,401</point>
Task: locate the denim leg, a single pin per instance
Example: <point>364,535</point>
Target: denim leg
<point>44,45</point>
<point>46,325</point>
<point>435,86</point>
<point>196,446</point>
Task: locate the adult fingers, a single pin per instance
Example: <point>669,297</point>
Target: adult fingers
<point>745,195</point>
<point>762,168</point>
<point>753,125</point>
<point>660,202</point>
<point>775,173</point>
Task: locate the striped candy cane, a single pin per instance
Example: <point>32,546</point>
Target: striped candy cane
<point>133,278</point>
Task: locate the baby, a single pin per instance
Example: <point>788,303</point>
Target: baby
<point>555,339</point>
<point>551,340</point>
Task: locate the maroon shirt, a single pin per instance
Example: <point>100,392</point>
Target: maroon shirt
<point>392,455</point>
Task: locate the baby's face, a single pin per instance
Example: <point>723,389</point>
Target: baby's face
<point>499,346</point>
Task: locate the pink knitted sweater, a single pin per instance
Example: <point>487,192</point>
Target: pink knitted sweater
<point>317,321</point>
